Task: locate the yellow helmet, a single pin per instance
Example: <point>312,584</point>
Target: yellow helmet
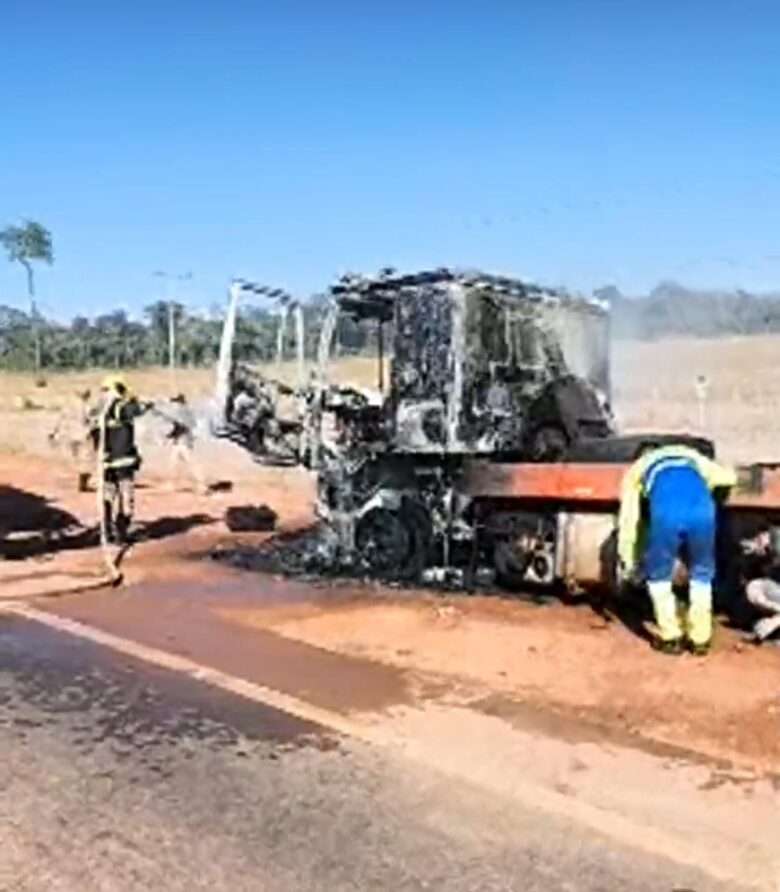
<point>116,383</point>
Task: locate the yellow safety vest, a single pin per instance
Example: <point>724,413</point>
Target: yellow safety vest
<point>633,490</point>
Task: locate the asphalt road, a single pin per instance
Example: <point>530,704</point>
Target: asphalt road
<point>115,775</point>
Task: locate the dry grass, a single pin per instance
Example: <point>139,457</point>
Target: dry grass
<point>654,390</point>
<point>28,411</point>
<point>61,387</point>
<point>153,383</point>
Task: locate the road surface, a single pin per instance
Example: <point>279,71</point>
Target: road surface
<point>119,775</point>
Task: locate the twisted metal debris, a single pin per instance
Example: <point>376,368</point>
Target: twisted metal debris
<point>480,367</point>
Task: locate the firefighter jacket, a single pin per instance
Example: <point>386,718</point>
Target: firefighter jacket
<point>119,416</point>
<point>636,485</point>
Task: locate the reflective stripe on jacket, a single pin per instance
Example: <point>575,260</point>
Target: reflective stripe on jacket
<point>120,449</point>
<point>639,479</point>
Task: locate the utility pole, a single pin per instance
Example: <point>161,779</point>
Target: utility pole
<point>170,281</point>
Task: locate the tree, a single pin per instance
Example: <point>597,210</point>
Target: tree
<point>26,244</point>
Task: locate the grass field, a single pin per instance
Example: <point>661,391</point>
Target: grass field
<point>654,388</point>
<point>18,389</point>
<point>28,412</point>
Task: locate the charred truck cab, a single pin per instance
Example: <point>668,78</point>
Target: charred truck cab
<point>480,368</point>
<point>481,365</point>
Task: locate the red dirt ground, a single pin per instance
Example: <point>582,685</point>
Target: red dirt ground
<point>565,659</point>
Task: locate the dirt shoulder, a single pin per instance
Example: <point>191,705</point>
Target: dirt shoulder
<point>49,529</point>
<point>493,653</point>
<point>566,659</point>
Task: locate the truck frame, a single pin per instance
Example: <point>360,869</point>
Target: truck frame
<point>489,443</point>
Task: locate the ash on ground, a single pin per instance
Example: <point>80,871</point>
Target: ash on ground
<point>311,555</point>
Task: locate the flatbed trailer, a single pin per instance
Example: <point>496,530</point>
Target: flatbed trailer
<point>557,522</point>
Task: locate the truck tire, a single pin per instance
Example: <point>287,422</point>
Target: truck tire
<point>393,544</point>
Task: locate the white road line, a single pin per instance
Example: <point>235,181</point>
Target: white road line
<point>633,834</point>
<point>235,685</point>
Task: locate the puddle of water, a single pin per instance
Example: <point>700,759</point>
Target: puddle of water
<point>214,624</point>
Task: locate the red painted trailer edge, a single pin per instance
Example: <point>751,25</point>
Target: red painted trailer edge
<point>758,486</point>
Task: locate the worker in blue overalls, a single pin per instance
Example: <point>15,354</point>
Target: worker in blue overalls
<point>666,507</point>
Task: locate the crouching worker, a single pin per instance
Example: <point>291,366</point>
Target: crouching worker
<point>667,509</point>
<point>761,575</point>
<point>113,432</point>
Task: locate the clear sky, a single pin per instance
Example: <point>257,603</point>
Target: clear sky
<point>576,143</point>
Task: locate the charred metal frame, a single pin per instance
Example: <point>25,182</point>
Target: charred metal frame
<point>479,364</point>
<point>436,474</point>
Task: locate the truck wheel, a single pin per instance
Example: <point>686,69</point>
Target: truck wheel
<point>510,565</point>
<point>392,544</point>
<point>524,553</point>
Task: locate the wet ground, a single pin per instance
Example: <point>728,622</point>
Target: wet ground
<point>119,776</point>
<point>383,738</point>
<point>196,619</point>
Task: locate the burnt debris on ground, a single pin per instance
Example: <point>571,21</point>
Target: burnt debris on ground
<point>307,552</point>
<point>250,518</point>
<point>311,555</point>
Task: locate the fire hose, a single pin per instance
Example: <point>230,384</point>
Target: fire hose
<point>110,560</point>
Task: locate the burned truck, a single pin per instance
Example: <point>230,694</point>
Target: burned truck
<point>469,367</point>
<point>486,445</point>
<point>482,365</point>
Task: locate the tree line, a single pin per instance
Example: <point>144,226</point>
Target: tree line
<point>114,340</point>
<point>29,341</point>
<point>672,310</point>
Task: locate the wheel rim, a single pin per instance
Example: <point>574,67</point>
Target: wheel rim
<point>383,541</point>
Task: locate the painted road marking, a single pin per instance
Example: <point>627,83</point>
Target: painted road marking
<point>198,671</point>
<point>609,823</point>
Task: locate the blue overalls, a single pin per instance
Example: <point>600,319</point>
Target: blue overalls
<point>682,516</point>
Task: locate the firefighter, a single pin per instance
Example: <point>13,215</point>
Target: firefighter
<point>181,438</point>
<point>666,507</point>
<point>113,433</point>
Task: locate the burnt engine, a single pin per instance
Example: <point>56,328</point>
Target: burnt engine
<point>254,416</point>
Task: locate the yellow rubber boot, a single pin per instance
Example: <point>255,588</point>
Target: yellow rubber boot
<point>700,616</point>
<point>665,609</point>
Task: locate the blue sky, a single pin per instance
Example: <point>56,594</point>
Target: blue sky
<point>576,143</point>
